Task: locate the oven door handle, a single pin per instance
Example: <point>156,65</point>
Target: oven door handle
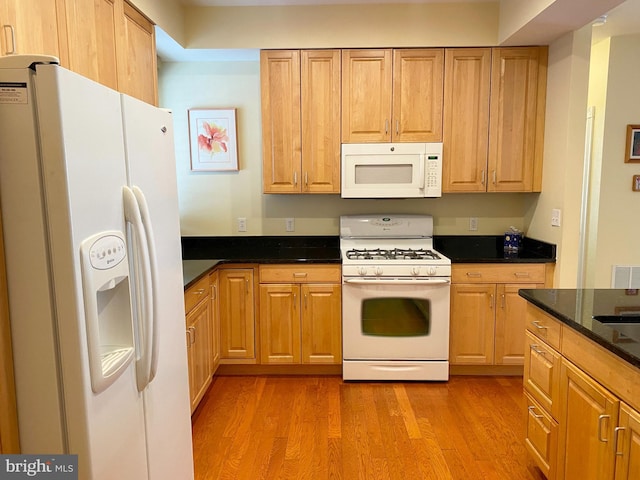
<point>361,281</point>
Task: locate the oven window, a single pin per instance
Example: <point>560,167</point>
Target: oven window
<point>396,317</point>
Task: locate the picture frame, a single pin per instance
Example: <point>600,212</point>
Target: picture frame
<point>213,139</point>
<point>635,183</point>
<point>632,149</point>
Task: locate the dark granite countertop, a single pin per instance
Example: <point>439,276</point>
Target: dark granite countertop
<point>192,270</point>
<point>263,249</point>
<point>490,249</point>
<point>326,249</point>
<point>610,317</point>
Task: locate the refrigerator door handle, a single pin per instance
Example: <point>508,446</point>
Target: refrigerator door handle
<point>143,296</point>
<point>143,205</point>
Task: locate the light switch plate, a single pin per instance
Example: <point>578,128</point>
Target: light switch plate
<point>556,216</point>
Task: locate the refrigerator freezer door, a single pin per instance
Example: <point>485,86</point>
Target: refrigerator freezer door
<point>83,170</point>
<point>151,171</point>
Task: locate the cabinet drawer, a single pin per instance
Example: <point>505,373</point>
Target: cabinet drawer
<point>542,373</point>
<point>300,273</point>
<point>195,293</point>
<point>478,273</point>
<point>543,326</point>
<point>541,439</point>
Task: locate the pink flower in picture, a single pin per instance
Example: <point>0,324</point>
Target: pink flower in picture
<point>214,139</point>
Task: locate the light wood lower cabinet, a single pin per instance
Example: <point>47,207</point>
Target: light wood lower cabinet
<point>588,415</point>
<point>215,321</point>
<point>487,314</point>
<point>237,315</point>
<point>627,441</point>
<point>300,321</point>
<point>199,335</point>
<point>579,424</point>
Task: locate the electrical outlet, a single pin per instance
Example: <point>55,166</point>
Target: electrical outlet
<point>289,224</point>
<point>556,215</point>
<point>242,224</point>
<point>473,224</point>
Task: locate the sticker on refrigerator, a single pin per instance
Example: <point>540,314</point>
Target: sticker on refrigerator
<point>13,92</point>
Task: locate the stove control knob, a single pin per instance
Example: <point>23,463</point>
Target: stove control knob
<point>378,271</point>
<point>432,270</point>
<point>415,271</point>
<point>362,271</point>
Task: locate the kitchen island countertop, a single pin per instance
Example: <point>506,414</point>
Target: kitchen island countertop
<point>607,316</point>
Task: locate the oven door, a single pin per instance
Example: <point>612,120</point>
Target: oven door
<point>395,319</point>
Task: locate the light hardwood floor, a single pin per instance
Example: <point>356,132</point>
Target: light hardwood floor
<point>323,428</point>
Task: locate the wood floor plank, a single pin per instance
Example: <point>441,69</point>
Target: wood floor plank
<point>320,428</point>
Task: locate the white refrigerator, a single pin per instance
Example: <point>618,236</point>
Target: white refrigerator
<point>90,216</point>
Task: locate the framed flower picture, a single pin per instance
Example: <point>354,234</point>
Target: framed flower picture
<point>213,139</point>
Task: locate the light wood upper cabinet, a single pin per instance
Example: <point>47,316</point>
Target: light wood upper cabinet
<point>494,119</point>
<point>108,41</point>
<point>92,27</point>
<point>392,95</point>
<point>30,27</point>
<point>465,141</point>
<point>516,119</point>
<point>136,56</point>
<point>300,121</point>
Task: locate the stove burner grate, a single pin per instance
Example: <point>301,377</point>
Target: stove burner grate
<point>391,254</point>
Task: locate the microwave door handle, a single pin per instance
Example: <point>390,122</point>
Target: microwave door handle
<point>423,161</point>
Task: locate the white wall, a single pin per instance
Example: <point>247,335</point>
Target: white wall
<point>210,203</point>
<point>343,26</point>
<point>565,122</point>
<point>619,207</point>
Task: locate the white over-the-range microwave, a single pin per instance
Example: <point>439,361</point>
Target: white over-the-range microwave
<point>391,170</point>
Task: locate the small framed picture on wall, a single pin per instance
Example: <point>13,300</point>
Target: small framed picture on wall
<point>635,185</point>
<point>213,139</point>
<point>632,150</point>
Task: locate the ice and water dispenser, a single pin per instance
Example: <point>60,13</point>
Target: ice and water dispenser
<point>107,304</point>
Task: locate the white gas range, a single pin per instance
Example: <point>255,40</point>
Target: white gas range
<point>395,299</point>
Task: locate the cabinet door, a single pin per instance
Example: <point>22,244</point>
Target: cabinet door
<point>417,95</point>
<point>279,324</point>
<point>588,416</point>
<point>511,321</point>
<point>628,444</point>
<point>237,318</point>
<point>281,130</point>
<point>366,95</point>
<point>91,38</point>
<point>516,117</point>
<point>320,96</point>
<point>472,324</point>
<point>215,322</point>
<point>199,348</point>
<point>466,119</point>
<point>321,324</point>
<point>137,63</point>
<point>30,26</point>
